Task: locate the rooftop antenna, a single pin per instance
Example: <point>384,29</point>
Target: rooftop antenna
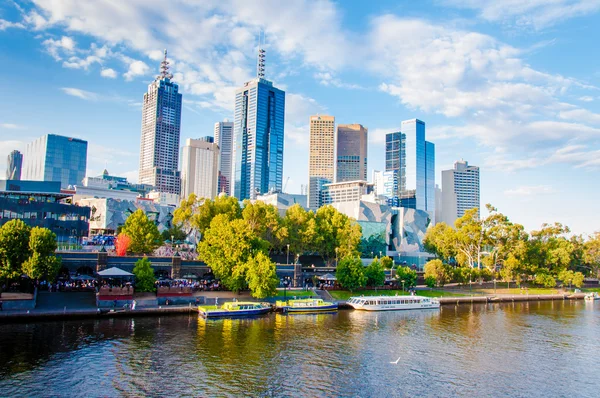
<point>260,67</point>
<point>164,69</point>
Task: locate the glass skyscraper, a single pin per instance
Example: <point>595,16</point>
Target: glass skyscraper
<point>395,160</point>
<point>351,153</point>
<point>161,123</point>
<point>14,163</point>
<point>56,158</point>
<point>224,139</point>
<point>258,138</point>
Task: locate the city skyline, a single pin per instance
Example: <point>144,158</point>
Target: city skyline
<point>510,103</point>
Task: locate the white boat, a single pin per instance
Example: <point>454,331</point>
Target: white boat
<point>592,296</point>
<point>393,303</point>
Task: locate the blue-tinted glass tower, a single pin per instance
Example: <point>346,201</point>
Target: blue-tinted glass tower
<point>258,137</point>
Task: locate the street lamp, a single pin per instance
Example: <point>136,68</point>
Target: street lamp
<point>288,254</point>
<point>402,284</point>
<point>285,282</point>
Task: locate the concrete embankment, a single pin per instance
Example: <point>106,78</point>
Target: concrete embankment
<point>509,298</point>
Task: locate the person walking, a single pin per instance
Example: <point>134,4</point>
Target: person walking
<point>1,306</point>
<point>133,305</point>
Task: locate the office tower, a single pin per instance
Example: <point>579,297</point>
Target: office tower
<point>385,183</point>
<point>200,168</point>
<point>56,158</point>
<point>430,180</point>
<point>395,160</point>
<point>460,191</point>
<point>161,120</point>
<point>224,139</point>
<point>321,163</point>
<point>13,165</point>
<point>258,136</point>
<point>351,153</point>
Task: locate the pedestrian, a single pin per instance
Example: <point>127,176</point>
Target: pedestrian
<point>1,306</point>
<point>133,305</point>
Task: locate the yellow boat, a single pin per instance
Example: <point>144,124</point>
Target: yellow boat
<point>306,305</point>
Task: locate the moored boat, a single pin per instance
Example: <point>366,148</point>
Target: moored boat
<point>592,296</point>
<point>235,309</point>
<point>393,303</point>
<point>306,305</point>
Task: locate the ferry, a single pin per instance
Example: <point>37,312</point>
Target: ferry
<point>393,303</point>
<point>592,296</point>
<point>235,309</point>
<point>306,305</point>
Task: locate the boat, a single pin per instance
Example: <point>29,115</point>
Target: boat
<point>306,305</point>
<point>393,303</point>
<point>592,296</point>
<point>235,309</point>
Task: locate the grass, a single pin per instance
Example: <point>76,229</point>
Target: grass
<point>297,293</point>
<point>532,290</point>
<point>591,290</point>
<point>345,294</point>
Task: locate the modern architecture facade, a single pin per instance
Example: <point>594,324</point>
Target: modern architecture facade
<point>200,168</point>
<point>224,140</point>
<point>258,137</point>
<point>395,160</point>
<point>14,163</point>
<point>460,191</point>
<point>385,183</point>
<point>161,123</point>
<point>351,152</point>
<point>56,158</point>
<point>347,191</point>
<point>321,163</point>
<point>108,186</point>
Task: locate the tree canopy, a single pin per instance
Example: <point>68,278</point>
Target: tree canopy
<point>144,275</point>
<point>350,273</point>
<point>375,274</point>
<point>42,263</point>
<point>14,248</point>
<point>143,233</point>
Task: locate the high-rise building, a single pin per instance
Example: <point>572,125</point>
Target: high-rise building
<point>56,158</point>
<point>161,123</point>
<point>351,153</point>
<point>460,191</point>
<point>385,183</point>
<point>224,139</point>
<point>13,165</point>
<point>321,163</point>
<point>395,160</point>
<point>430,180</point>
<point>200,168</point>
<point>258,136</point>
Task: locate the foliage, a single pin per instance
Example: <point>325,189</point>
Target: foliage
<point>407,275</point>
<point>143,233</point>
<point>42,263</point>
<point>571,278</point>
<point>374,273</point>
<point>122,244</point>
<point>337,234</point>
<point>144,276</point>
<point>373,245</point>
<point>511,271</point>
<point>197,213</point>
<point>175,233</point>
<point>545,280</point>
<point>264,221</point>
<point>430,281</point>
<point>438,270</point>
<point>439,240</point>
<point>350,273</point>
<point>14,248</point>
<point>591,253</point>
<point>387,262</point>
<point>261,276</point>
<point>302,229</point>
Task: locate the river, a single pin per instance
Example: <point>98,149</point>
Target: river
<point>535,349</point>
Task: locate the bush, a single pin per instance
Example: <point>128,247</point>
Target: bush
<point>375,274</point>
<point>438,270</point>
<point>430,281</point>
<point>407,275</point>
<point>144,276</point>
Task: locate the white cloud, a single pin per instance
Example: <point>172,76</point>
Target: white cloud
<point>108,72</point>
<point>329,79</point>
<point>136,68</point>
<point>586,98</point>
<point>4,24</point>
<point>524,191</point>
<point>10,126</point>
<point>55,47</point>
<point>83,94</point>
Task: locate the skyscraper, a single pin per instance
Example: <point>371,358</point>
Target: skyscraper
<point>13,165</point>
<point>351,153</point>
<point>460,191</point>
<point>224,139</point>
<point>159,146</point>
<point>395,160</point>
<point>321,164</point>
<point>200,168</point>
<point>258,136</point>
<point>56,158</point>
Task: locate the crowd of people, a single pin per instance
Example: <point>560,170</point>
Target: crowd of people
<point>195,285</point>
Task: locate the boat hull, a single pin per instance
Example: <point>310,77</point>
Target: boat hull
<point>305,310</point>
<point>395,308</point>
<point>234,314</point>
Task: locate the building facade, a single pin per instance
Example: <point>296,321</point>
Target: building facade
<point>224,140</point>
<point>200,168</point>
<point>347,191</point>
<point>14,163</point>
<point>56,158</point>
<point>321,163</point>
<point>161,124</point>
<point>460,191</point>
<point>395,160</point>
<point>351,152</point>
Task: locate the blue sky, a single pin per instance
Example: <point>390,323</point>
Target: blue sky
<point>510,86</point>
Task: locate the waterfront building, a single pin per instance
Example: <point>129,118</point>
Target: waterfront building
<point>351,152</point>
<point>56,158</point>
<point>460,191</point>
<point>161,123</point>
<point>258,137</point>
<point>347,191</point>
<point>108,186</point>
<point>321,163</point>
<point>283,201</point>
<point>14,163</point>
<point>224,139</point>
<point>200,168</point>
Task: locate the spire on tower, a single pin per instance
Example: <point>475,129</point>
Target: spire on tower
<point>164,69</point>
<point>260,67</point>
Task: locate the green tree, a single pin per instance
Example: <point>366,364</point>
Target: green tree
<point>374,273</point>
<point>387,262</point>
<point>511,270</point>
<point>407,275</point>
<point>14,249</point>
<point>571,278</point>
<point>261,276</point>
<point>441,241</point>
<point>337,234</point>
<point>144,276</point>
<point>591,253</point>
<point>42,264</point>
<point>469,239</point>
<point>545,279</point>
<point>143,233</point>
<point>197,213</point>
<point>430,281</point>
<point>350,273</point>
<point>302,229</point>
<point>264,221</point>
<point>438,270</point>
<point>175,233</point>
<point>549,251</point>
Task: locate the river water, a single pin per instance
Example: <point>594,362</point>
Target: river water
<point>537,349</point>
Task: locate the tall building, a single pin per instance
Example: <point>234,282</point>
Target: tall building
<point>13,165</point>
<point>460,191</point>
<point>258,136</point>
<point>351,153</point>
<point>321,163</point>
<point>385,183</point>
<point>430,180</point>
<point>224,139</point>
<point>161,122</point>
<point>395,160</point>
<point>56,158</point>
<point>200,168</point>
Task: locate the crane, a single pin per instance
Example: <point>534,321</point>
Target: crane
<point>285,185</point>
